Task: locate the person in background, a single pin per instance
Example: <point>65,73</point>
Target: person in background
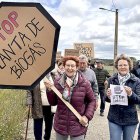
<point>136,69</point>
<point>139,132</point>
<point>101,75</point>
<point>122,119</point>
<point>60,69</point>
<point>92,64</point>
<point>41,110</point>
<point>77,91</point>
<point>89,74</point>
<point>136,72</point>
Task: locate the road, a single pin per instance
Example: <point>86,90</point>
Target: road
<point>97,130</point>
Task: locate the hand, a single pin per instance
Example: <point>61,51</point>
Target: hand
<point>29,105</point>
<point>84,121</point>
<point>128,90</point>
<point>96,105</point>
<point>48,85</point>
<point>106,83</point>
<point>108,93</point>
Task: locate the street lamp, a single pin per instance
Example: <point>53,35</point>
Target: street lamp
<point>116,33</point>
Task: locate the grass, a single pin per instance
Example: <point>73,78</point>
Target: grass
<point>109,69</point>
<point>12,114</point>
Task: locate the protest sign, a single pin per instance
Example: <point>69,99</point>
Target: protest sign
<point>28,44</point>
<point>118,95</point>
<point>71,52</point>
<point>86,49</point>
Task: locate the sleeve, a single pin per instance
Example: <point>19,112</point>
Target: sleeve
<point>52,97</point>
<point>107,74</point>
<point>29,98</point>
<point>95,86</point>
<point>49,77</point>
<point>108,86</point>
<point>90,102</point>
<point>135,97</point>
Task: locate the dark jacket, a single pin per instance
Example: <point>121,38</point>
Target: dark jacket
<point>136,71</point>
<point>101,75</point>
<point>126,115</point>
<point>34,99</point>
<point>82,99</point>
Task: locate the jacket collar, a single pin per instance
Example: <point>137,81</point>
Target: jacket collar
<point>132,77</point>
<point>79,79</point>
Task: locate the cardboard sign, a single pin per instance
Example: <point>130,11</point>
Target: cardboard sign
<point>85,48</point>
<point>71,52</point>
<point>28,44</point>
<point>58,55</point>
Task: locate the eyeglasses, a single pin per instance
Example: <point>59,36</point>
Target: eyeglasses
<point>125,65</point>
<point>72,66</point>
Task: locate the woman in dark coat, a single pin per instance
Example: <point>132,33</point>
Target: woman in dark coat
<point>77,91</point>
<point>122,119</point>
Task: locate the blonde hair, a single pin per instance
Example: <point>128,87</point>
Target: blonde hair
<point>123,57</point>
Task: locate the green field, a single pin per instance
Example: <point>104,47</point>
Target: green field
<point>109,69</point>
<point>12,114</point>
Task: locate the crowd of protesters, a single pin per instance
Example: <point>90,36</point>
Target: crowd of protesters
<point>81,83</point>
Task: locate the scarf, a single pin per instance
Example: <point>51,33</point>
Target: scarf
<point>123,79</point>
<point>69,86</point>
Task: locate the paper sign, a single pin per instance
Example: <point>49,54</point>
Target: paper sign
<point>118,95</point>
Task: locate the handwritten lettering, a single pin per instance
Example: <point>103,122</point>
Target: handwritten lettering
<point>12,17</point>
<point>17,45</point>
<point>9,24</point>
<point>118,98</point>
<point>12,48</point>
<point>28,59</point>
<point>33,27</point>
<point>83,49</point>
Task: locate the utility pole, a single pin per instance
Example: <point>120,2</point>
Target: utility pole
<point>116,33</point>
<point>116,37</point>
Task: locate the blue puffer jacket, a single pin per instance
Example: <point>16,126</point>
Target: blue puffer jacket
<point>126,115</point>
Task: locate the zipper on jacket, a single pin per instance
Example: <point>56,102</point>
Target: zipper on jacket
<point>68,123</point>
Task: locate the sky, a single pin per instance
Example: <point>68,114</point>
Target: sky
<point>82,21</point>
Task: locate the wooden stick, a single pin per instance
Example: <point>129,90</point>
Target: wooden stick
<point>64,101</point>
<point>27,123</point>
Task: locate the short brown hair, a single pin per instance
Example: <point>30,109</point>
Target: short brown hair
<point>59,63</point>
<point>123,57</point>
<point>74,58</point>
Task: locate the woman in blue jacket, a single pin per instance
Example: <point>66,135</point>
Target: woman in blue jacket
<point>122,119</point>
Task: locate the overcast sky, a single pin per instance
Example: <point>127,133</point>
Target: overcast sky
<point>83,21</point>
